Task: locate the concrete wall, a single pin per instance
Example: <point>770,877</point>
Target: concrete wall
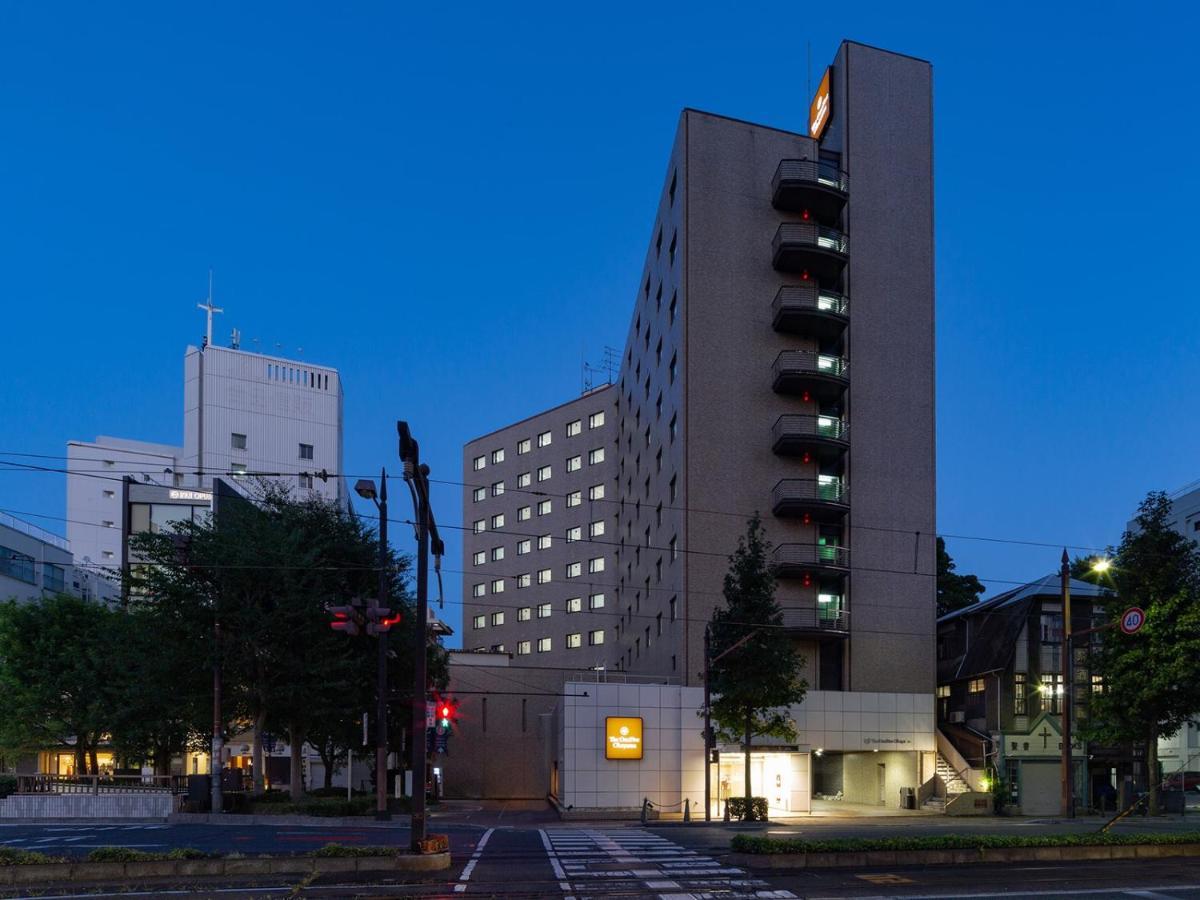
<point>861,720</point>
<point>29,542</point>
<point>145,805</point>
<point>860,777</point>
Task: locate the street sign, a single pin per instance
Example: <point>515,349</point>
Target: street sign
<point>1132,620</point>
<point>429,713</point>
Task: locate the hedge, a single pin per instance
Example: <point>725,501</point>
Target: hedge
<point>12,857</point>
<point>758,809</point>
<point>746,843</point>
<point>128,854</point>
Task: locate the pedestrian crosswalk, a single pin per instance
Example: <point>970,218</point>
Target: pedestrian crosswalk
<point>597,862</point>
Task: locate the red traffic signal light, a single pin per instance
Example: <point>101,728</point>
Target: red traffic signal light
<point>345,618</point>
<point>381,619</point>
<point>446,710</point>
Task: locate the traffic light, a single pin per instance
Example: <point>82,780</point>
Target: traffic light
<point>380,619</point>
<point>345,618</point>
<point>446,711</point>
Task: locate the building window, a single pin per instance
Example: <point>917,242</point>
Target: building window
<point>498,586</point>
<point>975,686</point>
<point>575,498</point>
<point>574,604</point>
<point>479,622</point>
<point>479,462</point>
<point>596,565</point>
<point>574,569</point>
<point>479,526</point>
<point>1020,695</point>
<point>596,529</point>
<point>673,428</point>
<point>574,641</point>
<point>238,470</point>
<point>544,439</point>
<point>596,638</point>
<point>673,606</point>
<point>523,446</point>
<point>524,580</point>
<point>478,590</point>
<point>525,613</point>
<point>523,648</point>
<point>1051,689</point>
<point>574,428</point>
<point>305,480</point>
<point>671,190</point>
<point>237,441</point>
<point>524,480</point>
<point>498,520</point>
<point>523,513</point>
<point>596,601</point>
<point>673,492</point>
<point>672,308</point>
<point>497,648</point>
<point>596,419</point>
<point>543,610</point>
<point>498,456</point>
<point>479,558</point>
<point>497,488</point>
<point>544,508</point>
<point>544,542</point>
<point>574,463</point>
<point>1051,628</point>
<point>544,645</point>
<point>1098,688</point>
<point>497,618</point>
<point>306,451</point>
<point>543,473</point>
<point>674,545</point>
<point>596,492</point>
<point>524,546</point>
<point>478,495</point>
<point>53,577</point>
<point>574,534</point>
<point>672,367</point>
<point>595,456</point>
<point>543,576</point>
<point>497,554</point>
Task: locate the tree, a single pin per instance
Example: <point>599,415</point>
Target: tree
<point>1151,679</point>
<point>954,591</point>
<point>756,672</point>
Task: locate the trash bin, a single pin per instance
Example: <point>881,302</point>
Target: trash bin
<point>199,794</point>
<point>908,798</point>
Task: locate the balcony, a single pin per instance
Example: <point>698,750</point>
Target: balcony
<point>823,621</point>
<point>825,438</point>
<point>808,247</point>
<point>808,310</point>
<point>825,501</point>
<point>801,184</point>
<point>815,376</point>
<point>797,560</point>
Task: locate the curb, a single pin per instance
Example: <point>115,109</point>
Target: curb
<point>397,821</point>
<point>867,858</point>
<point>258,865</point>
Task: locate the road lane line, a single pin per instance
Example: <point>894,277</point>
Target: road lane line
<point>554,863</point>
<point>470,866</point>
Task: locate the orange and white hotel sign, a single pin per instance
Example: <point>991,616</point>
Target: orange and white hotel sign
<point>820,108</point>
<point>622,737</point>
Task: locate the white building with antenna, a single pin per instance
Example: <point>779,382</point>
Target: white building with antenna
<point>244,413</point>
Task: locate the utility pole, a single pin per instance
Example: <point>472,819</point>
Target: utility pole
<point>708,741</point>
<point>381,736</point>
<point>218,741</point>
<point>1068,786</point>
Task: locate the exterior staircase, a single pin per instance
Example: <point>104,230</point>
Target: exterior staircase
<point>953,782</point>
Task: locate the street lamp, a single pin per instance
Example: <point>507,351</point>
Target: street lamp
<point>365,488</point>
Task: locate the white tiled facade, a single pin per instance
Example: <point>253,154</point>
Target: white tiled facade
<point>859,720</point>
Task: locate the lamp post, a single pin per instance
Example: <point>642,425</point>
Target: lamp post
<point>366,488</point>
<point>1068,787</point>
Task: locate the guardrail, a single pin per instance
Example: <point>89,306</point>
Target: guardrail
<point>816,619</point>
<point>811,555</point>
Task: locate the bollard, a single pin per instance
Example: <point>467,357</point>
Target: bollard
<point>687,810</point>
<point>645,809</point>
<point>726,812</point>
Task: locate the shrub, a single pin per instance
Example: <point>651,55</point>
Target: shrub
<point>8,785</point>
<point>128,854</point>
<point>758,809</point>
<point>343,850</point>
<point>746,843</point>
<point>12,857</point>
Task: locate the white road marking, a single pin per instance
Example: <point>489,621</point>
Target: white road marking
<point>1134,891</point>
<point>554,864</point>
<point>470,866</point>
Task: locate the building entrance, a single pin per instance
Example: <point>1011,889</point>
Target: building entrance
<point>784,778</point>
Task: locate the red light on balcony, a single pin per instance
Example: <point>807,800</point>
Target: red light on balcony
<point>804,276</point>
<point>805,215</point>
<point>806,397</point>
<point>807,457</point>
<point>806,519</point>
<point>806,581</point>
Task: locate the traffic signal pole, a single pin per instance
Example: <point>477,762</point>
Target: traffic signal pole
<point>381,734</point>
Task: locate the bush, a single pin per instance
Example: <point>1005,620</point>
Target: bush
<point>127,854</point>
<point>11,857</point>
<point>758,809</point>
<point>334,792</point>
<point>343,850</point>
<point>746,843</point>
<point>8,785</point>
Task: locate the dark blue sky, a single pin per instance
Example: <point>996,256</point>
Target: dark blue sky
<point>432,201</point>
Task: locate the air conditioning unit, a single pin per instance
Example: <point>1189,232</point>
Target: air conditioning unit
<point>958,717</point>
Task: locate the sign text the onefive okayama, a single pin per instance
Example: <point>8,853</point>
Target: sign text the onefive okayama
<point>820,108</point>
<point>623,737</point>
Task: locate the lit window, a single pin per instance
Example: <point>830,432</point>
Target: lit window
<point>523,648</point>
<point>524,546</point>
<point>478,495</point>
<point>478,590</point>
<point>574,463</point>
<point>943,691</point>
<point>544,645</point>
<point>479,622</point>
<point>523,513</point>
<point>544,542</point>
<point>1020,694</point>
<point>524,480</point>
<point>543,439</point>
<point>575,498</point>
<point>975,685</point>
<point>479,462</point>
<point>479,558</point>
<point>574,569</point>
<point>238,470</point>
<point>497,618</point>
<point>574,641</point>
<point>497,456</point>
<point>543,508</point>
<point>596,420</point>
<point>525,613</point>
<point>674,548</point>
<point>596,565</point>
<point>543,473</point>
<point>523,581</point>
<point>596,638</point>
<point>497,554</point>
<point>543,576</point>
<point>497,488</point>
<point>574,534</point>
<point>543,610</point>
<point>596,529</point>
<point>596,601</point>
<point>498,520</point>
<point>523,447</point>
<point>498,586</point>
<point>574,604</point>
<point>596,492</point>
<point>574,428</point>
<point>595,456</point>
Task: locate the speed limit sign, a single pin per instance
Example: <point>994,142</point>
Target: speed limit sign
<point>1132,619</point>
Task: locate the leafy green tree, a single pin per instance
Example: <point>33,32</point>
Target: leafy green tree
<point>1151,678</point>
<point>756,672</point>
<point>954,591</point>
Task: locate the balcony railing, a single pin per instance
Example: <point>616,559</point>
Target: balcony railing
<point>820,375</point>
<point>808,247</point>
<point>821,619</point>
<point>811,428</point>
<point>801,184</point>
<point>811,171</point>
<point>792,557</point>
<point>808,309</point>
<point>806,494</point>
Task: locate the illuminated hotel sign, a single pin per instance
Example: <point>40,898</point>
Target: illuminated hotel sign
<point>622,737</point>
<point>819,109</point>
<point>204,496</point>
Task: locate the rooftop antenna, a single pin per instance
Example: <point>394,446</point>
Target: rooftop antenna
<point>235,340</point>
<point>210,309</point>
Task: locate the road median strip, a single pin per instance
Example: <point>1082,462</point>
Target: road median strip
<point>759,852</point>
<point>115,863</point>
